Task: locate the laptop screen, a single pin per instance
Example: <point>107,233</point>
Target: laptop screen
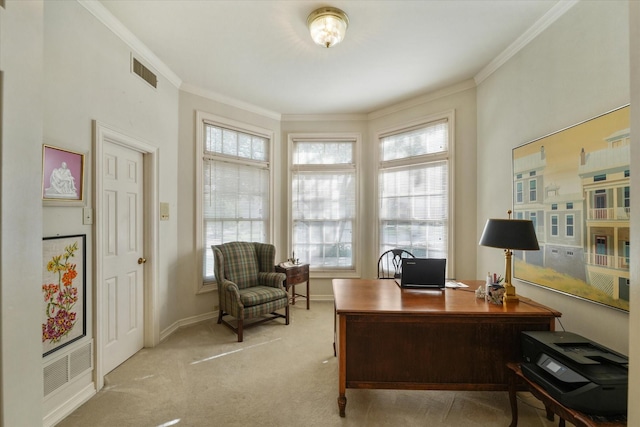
<point>423,272</point>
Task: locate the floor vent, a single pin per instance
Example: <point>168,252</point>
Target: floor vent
<point>146,74</point>
<point>64,369</point>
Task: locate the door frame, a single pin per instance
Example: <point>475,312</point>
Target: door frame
<point>104,133</point>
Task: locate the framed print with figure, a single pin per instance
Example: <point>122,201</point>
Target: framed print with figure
<point>62,176</point>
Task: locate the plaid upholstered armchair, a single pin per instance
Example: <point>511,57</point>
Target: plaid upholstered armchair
<point>248,285</point>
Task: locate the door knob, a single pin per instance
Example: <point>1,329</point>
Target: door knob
<point>142,260</point>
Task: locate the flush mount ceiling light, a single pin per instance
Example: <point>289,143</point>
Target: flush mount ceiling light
<point>327,26</point>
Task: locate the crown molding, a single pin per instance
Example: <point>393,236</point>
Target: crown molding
<point>103,15</point>
<point>214,96</point>
<point>538,27</point>
<point>324,117</point>
<point>423,99</point>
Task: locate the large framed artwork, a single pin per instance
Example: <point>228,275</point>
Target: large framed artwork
<point>574,185</point>
<point>62,176</point>
<point>63,291</point>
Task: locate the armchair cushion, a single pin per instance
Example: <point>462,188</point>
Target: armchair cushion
<point>258,295</point>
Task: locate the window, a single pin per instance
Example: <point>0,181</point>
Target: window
<point>554,206</point>
<point>519,190</point>
<point>627,252</point>
<point>413,189</point>
<point>601,177</point>
<point>627,200</point>
<point>532,173</point>
<point>533,187</point>
<point>554,225</point>
<point>234,184</point>
<point>533,216</point>
<point>569,205</point>
<point>569,226</point>
<point>323,200</point>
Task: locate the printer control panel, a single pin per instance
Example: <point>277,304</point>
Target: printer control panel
<point>560,371</point>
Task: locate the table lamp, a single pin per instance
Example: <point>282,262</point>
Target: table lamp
<point>509,234</point>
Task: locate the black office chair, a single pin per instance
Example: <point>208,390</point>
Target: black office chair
<point>390,263</point>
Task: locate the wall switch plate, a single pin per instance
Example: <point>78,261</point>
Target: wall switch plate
<point>164,211</point>
<point>87,216</point>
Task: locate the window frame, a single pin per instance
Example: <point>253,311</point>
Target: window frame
<point>569,225</point>
<point>449,157</point>
<point>356,139</point>
<point>203,118</point>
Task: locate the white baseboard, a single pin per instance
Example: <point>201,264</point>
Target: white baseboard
<point>186,322</point>
<point>70,405</point>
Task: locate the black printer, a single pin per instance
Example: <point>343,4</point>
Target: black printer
<point>577,372</point>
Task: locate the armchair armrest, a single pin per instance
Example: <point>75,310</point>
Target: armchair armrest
<point>231,290</point>
<point>272,279</point>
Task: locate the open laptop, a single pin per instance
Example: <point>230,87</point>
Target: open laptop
<point>423,273</point>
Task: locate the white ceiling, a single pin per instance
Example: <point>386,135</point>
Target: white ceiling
<point>260,53</point>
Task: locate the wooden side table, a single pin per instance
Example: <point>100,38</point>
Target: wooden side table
<point>296,275</point>
<point>552,406</point>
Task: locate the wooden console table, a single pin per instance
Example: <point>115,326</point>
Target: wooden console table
<point>552,406</point>
<point>392,338</point>
<point>296,275</point>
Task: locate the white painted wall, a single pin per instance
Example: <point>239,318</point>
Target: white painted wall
<point>21,44</point>
<point>88,77</point>
<point>62,70</point>
<point>576,69</point>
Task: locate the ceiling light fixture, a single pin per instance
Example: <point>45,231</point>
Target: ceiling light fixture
<point>327,26</point>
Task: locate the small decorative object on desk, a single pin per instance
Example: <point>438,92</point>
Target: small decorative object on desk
<point>492,291</point>
<point>496,292</point>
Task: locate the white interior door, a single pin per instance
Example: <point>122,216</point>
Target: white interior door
<point>122,287</point>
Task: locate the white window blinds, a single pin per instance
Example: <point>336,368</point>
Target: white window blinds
<point>236,183</point>
<point>414,191</point>
<point>323,203</point>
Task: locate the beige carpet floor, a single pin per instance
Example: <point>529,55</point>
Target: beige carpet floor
<point>279,376</point>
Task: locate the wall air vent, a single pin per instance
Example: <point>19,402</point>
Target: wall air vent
<point>146,74</point>
<point>64,369</point>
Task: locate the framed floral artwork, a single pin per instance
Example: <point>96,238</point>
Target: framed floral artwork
<point>63,291</point>
<point>62,176</point>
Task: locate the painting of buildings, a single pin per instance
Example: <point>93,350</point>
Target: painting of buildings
<point>574,186</point>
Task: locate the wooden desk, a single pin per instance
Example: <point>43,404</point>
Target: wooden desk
<point>295,275</point>
<point>552,406</point>
<point>392,338</point>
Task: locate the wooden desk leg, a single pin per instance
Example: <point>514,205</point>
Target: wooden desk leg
<point>513,400</point>
<point>342,404</point>
<point>308,295</point>
<point>293,294</point>
<point>342,366</point>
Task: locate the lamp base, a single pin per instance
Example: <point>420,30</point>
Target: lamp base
<point>506,299</point>
<point>509,293</point>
